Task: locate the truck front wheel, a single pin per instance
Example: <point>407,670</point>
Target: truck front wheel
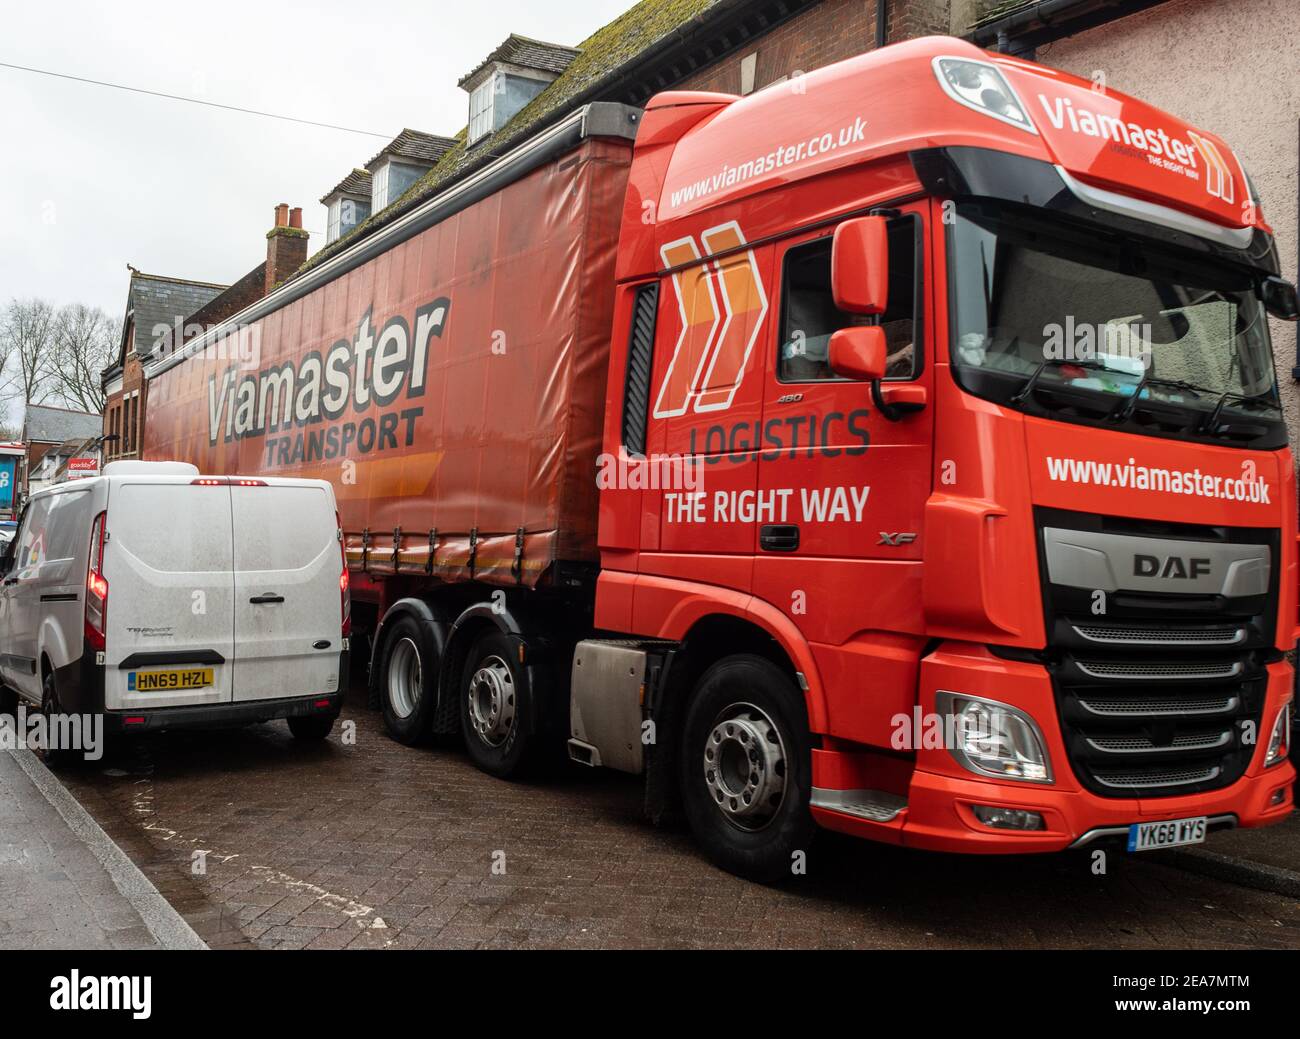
<point>745,769</point>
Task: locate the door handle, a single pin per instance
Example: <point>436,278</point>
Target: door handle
<point>779,537</point>
<point>269,598</point>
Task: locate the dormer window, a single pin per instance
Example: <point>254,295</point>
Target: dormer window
<point>407,158</point>
<point>480,109</point>
<point>347,205</point>
<point>510,77</point>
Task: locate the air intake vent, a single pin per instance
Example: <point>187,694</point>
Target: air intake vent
<point>1162,636</point>
<point>640,356</point>
<point>1157,778</point>
<point>1160,671</point>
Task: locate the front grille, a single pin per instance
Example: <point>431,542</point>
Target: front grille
<point>1143,744</point>
<point>1151,778</point>
<point>1161,671</point>
<point>1137,706</point>
<point>1158,694</point>
<point>1162,636</point>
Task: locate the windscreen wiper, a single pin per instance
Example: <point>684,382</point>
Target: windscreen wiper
<point>1125,410</point>
<point>1026,391</point>
<point>1207,424</point>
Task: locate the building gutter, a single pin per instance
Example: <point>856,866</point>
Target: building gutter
<point>1024,30</point>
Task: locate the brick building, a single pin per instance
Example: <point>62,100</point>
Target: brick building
<point>164,313</point>
<point>51,436</point>
<point>736,46</point>
<point>156,309</point>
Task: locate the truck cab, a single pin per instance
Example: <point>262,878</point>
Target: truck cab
<point>983,536</point>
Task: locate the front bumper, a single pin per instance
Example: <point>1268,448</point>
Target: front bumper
<point>940,795</point>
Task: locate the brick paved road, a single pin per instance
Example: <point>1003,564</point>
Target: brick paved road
<point>380,845</point>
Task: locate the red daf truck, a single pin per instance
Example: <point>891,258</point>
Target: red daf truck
<point>897,450</point>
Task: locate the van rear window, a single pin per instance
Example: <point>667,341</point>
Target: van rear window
<point>282,528</point>
<point>173,528</point>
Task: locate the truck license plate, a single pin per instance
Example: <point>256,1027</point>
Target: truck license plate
<point>156,681</point>
<point>1172,833</point>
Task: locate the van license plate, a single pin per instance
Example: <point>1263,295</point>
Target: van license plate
<point>1172,833</point>
<point>158,681</point>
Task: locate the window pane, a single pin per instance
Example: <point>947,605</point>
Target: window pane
<point>809,314</point>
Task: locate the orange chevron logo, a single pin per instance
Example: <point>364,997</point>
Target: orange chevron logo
<point>1218,175</point>
<point>722,305</point>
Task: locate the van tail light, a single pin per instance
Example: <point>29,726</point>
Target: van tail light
<point>345,583</point>
<point>96,586</point>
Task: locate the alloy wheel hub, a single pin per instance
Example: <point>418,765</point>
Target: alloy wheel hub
<point>744,766</point>
<point>492,701</point>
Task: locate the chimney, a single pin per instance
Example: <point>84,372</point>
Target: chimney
<point>286,246</point>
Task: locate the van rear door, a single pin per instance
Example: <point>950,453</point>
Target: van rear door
<point>168,561</point>
<point>288,614</point>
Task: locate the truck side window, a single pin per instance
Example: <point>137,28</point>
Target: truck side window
<point>809,314</point>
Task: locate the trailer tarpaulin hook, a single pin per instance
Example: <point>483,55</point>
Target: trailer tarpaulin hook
<point>517,567</point>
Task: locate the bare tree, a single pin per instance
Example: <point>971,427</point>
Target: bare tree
<point>27,336</point>
<point>85,340</point>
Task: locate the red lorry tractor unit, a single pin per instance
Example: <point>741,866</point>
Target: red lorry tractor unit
<point>896,450</point>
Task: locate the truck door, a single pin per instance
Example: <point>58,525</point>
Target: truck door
<point>706,399</point>
<point>853,484</point>
<point>168,564</point>
<point>288,613</point>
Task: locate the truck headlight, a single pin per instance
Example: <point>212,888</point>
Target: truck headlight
<point>1279,741</point>
<point>993,739</point>
<point>981,86</point>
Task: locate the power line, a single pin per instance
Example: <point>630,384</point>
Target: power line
<point>192,100</point>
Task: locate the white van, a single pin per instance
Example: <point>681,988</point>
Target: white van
<point>163,599</point>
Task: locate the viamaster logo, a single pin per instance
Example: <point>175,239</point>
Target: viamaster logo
<point>779,157</point>
<point>1248,487</point>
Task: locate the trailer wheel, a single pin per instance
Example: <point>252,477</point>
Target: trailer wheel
<point>408,686</point>
<point>497,708</point>
<point>746,768</point>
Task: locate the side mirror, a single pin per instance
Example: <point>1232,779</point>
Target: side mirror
<point>1279,297</point>
<point>860,265</point>
<point>859,353</point>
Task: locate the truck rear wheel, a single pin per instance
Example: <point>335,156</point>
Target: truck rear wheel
<point>497,708</point>
<point>408,681</point>
<point>746,764</point>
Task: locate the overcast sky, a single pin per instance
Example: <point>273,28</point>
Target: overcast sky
<point>93,179</point>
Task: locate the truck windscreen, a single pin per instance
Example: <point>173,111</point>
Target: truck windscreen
<point>1058,319</point>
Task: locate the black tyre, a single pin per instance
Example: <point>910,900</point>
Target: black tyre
<point>8,702</point>
<point>55,756</point>
<point>498,709</point>
<point>312,728</point>
<point>408,681</point>
<point>746,768</point>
